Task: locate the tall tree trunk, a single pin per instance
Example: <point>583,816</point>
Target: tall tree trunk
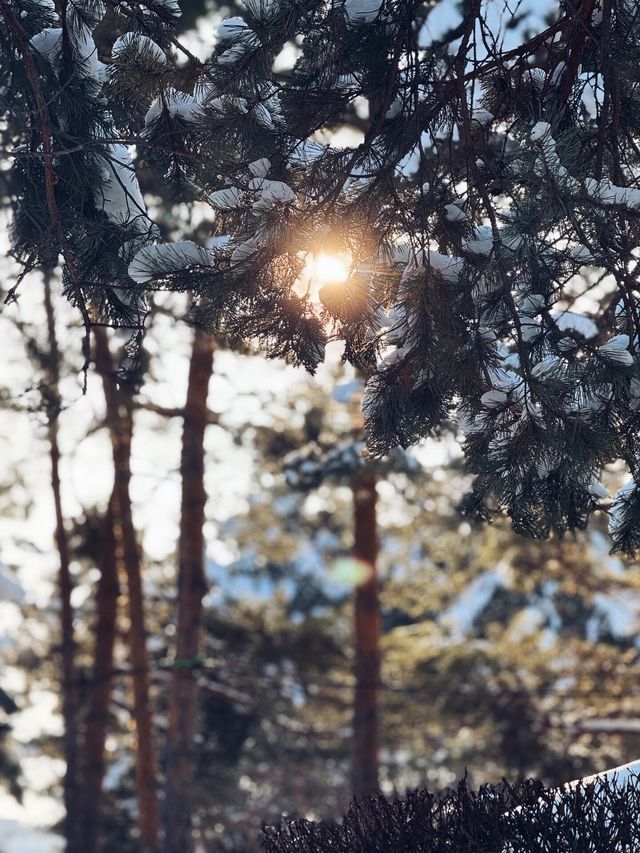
<point>120,423</point>
<point>191,589</point>
<point>367,639</point>
<point>52,401</point>
<point>97,718</point>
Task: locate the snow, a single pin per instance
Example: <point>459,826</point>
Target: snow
<point>447,266</point>
<point>245,250</point>
<point>306,152</point>
<point>360,12</point>
<point>397,325</point>
<point>232,29</point>
<point>539,131</point>
<point>119,193</point>
<point>142,44</point>
<point>615,351</point>
<point>228,103</point>
<point>232,55</point>
<point>48,42</point>
<point>18,837</point>
<point>581,254</point>
<point>152,261</point>
<point>459,616</point>
<point>261,114</point>
<point>10,589</point>
<point>260,168</point>
<point>531,303</point>
<point>487,335</point>
<point>226,199</point>
<point>394,110</point>
<point>549,365</point>
<point>597,490</point>
<point>87,54</point>
<point>455,213</point>
<point>548,162</point>
<point>558,71</point>
<point>482,244</point>
<point>620,775</point>
<point>597,15</point>
<point>217,242</point>
<point>536,76</point>
<point>483,241</point>
<point>171,6</point>
<point>493,398</point>
<point>177,104</point>
<point>504,380</point>
<point>270,193</point>
<point>622,497</point>
<point>608,193</point>
<point>482,116</point>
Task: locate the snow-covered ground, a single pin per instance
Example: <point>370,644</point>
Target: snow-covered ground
<point>16,837</point>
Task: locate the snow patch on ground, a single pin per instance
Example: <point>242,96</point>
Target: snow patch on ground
<point>17,837</point>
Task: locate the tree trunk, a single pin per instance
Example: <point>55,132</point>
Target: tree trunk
<point>65,585</point>
<point>191,589</point>
<point>367,639</point>
<point>97,718</point>
<point>120,423</point>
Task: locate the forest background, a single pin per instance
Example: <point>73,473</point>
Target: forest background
<point>500,655</point>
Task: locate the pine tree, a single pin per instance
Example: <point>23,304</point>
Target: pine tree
<point>69,688</point>
<point>341,458</point>
<point>192,586</point>
<point>493,190</point>
<point>119,417</point>
<point>98,703</point>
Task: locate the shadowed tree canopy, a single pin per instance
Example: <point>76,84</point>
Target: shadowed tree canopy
<point>489,212</point>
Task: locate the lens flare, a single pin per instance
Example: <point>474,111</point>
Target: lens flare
<point>350,572</point>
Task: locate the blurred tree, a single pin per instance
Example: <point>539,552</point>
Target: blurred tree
<point>119,419</point>
<point>192,586</point>
<point>98,701</point>
<point>9,764</point>
<point>334,456</point>
<point>50,388</point>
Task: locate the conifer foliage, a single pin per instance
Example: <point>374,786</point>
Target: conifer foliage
<point>589,815</point>
<point>490,212</point>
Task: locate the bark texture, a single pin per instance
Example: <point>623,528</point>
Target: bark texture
<point>367,640</point>
<point>97,716</point>
<point>191,590</point>
<point>69,690</point>
<point>120,423</point>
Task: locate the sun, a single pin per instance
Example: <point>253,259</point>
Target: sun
<point>322,269</point>
<point>328,268</point>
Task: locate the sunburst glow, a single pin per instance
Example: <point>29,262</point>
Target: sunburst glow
<point>328,268</point>
<point>322,269</point>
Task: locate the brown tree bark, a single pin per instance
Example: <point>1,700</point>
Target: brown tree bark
<point>97,717</point>
<point>192,587</point>
<point>367,639</point>
<point>120,422</point>
<point>51,396</point>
